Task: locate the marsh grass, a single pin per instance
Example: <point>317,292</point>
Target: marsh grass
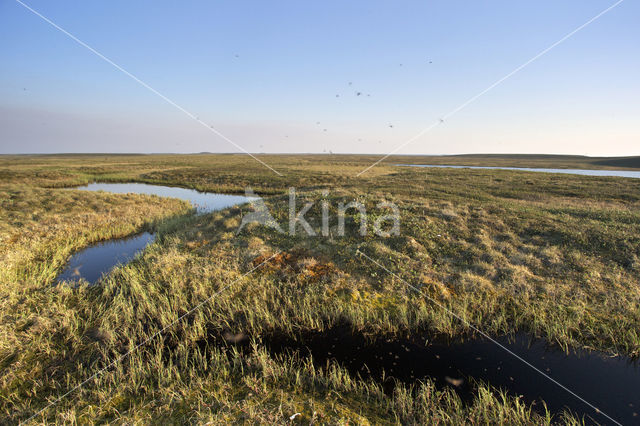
<point>505,252</point>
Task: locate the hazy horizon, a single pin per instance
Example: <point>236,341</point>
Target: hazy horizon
<point>357,78</point>
<point>470,154</point>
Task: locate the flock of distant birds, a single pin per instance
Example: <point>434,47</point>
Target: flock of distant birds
<point>357,93</point>
<point>350,83</point>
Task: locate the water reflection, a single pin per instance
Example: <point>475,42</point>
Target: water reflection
<point>609,383</point>
<point>204,202</point>
<point>91,263</point>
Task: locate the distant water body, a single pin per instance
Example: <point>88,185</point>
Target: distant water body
<point>617,173</point>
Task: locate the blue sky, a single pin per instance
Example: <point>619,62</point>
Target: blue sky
<point>265,73</point>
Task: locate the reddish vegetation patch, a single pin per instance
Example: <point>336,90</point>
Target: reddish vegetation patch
<point>317,271</point>
<point>295,264</point>
<point>277,262</point>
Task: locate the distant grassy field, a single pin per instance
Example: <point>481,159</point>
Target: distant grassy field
<point>554,255</point>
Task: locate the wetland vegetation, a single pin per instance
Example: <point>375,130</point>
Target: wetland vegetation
<point>554,256</point>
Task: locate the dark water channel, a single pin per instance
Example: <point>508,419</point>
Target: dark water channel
<point>612,384</point>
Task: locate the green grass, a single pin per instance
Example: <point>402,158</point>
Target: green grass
<point>554,255</point>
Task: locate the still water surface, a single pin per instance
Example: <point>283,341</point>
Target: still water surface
<point>95,261</point>
<point>612,384</point>
<point>204,202</point>
<point>618,173</point>
<point>92,262</point>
